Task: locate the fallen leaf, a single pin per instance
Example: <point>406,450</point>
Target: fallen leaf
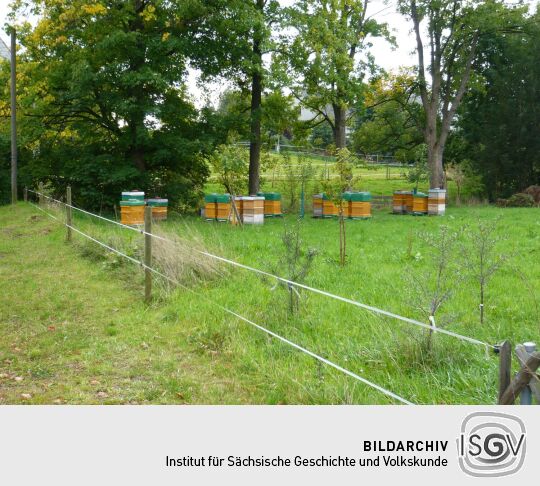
<point>19,378</point>
<point>144,345</point>
<point>94,382</point>
<point>51,328</point>
<point>102,394</point>
<point>58,401</point>
<point>4,375</point>
<point>26,396</point>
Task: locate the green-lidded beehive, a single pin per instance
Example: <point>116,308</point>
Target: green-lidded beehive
<point>132,212</point>
<point>272,204</point>
<point>357,204</point>
<point>159,207</point>
<point>223,207</point>
<point>133,196</point>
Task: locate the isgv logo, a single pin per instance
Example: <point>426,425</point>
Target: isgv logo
<point>491,444</point>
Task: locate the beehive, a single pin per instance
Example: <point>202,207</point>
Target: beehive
<point>398,202</point>
<point>408,201</point>
<point>253,209</point>
<point>317,205</point>
<point>239,203</point>
<point>357,205</point>
<point>210,212</point>
<point>272,204</point>
<point>437,202</point>
<point>329,209</point>
<point>159,208</point>
<point>420,203</point>
<point>132,212</point>
<point>223,207</point>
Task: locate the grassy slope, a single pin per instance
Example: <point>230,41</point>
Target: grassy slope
<point>76,333</point>
<point>197,353</point>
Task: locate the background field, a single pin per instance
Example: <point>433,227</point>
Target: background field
<point>74,328</point>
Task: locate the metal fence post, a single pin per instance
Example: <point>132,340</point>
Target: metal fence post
<point>68,213</point>
<point>147,253</point>
<point>525,396</point>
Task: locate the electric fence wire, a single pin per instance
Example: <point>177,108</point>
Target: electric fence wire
<point>245,319</point>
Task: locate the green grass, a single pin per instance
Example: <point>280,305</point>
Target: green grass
<point>183,348</point>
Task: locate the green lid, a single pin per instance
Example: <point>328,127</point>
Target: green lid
<point>131,203</point>
<point>420,194</point>
<point>210,198</point>
<point>270,196</point>
<point>357,196</point>
<point>223,198</point>
<point>158,201</point>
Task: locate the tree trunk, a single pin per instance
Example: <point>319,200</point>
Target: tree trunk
<point>255,132</point>
<point>435,164</point>
<point>340,122</point>
<point>255,113</point>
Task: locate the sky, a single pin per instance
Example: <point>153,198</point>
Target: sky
<point>387,57</point>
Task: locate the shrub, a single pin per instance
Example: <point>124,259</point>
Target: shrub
<point>520,200</point>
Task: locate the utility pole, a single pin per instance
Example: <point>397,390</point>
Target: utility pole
<point>13,117</point>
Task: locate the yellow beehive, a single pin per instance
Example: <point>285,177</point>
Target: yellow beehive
<point>420,204</point>
<point>159,213</point>
<point>359,209</point>
<point>272,208</point>
<point>329,209</point>
<point>223,210</point>
<point>210,210</point>
<point>132,213</point>
<point>408,201</point>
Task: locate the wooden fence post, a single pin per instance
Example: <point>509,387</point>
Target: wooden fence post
<point>25,194</point>
<point>68,213</point>
<point>522,379</point>
<point>147,253</point>
<point>40,189</point>
<point>505,366</point>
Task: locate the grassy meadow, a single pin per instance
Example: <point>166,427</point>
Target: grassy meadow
<point>75,330</point>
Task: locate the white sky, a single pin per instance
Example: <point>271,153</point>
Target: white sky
<point>385,56</point>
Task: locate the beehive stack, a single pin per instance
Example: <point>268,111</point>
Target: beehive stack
<point>210,207</point>
<point>357,205</point>
<point>159,208</point>
<point>420,204</point>
<point>408,201</point>
<point>329,209</point>
<point>398,202</point>
<point>272,204</point>
<point>253,209</point>
<point>132,208</point>
<point>223,207</point>
<point>437,202</point>
<point>317,205</point>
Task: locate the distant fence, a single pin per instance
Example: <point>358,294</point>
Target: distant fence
<point>525,384</point>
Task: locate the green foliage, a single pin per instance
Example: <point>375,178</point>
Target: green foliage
<point>498,122</point>
<point>101,89</point>
<point>230,162</point>
<point>419,172</point>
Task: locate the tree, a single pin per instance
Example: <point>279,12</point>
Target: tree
<point>450,30</point>
<point>334,189</point>
<point>328,58</point>
<point>229,39</point>
<point>390,121</point>
<point>498,123</point>
<point>103,83</point>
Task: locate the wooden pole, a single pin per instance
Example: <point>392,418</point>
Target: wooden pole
<point>68,213</point>
<point>25,194</point>
<point>505,366</point>
<point>521,380</point>
<point>13,117</point>
<point>147,253</point>
<point>41,198</point>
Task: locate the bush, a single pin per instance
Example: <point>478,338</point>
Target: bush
<point>520,200</point>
